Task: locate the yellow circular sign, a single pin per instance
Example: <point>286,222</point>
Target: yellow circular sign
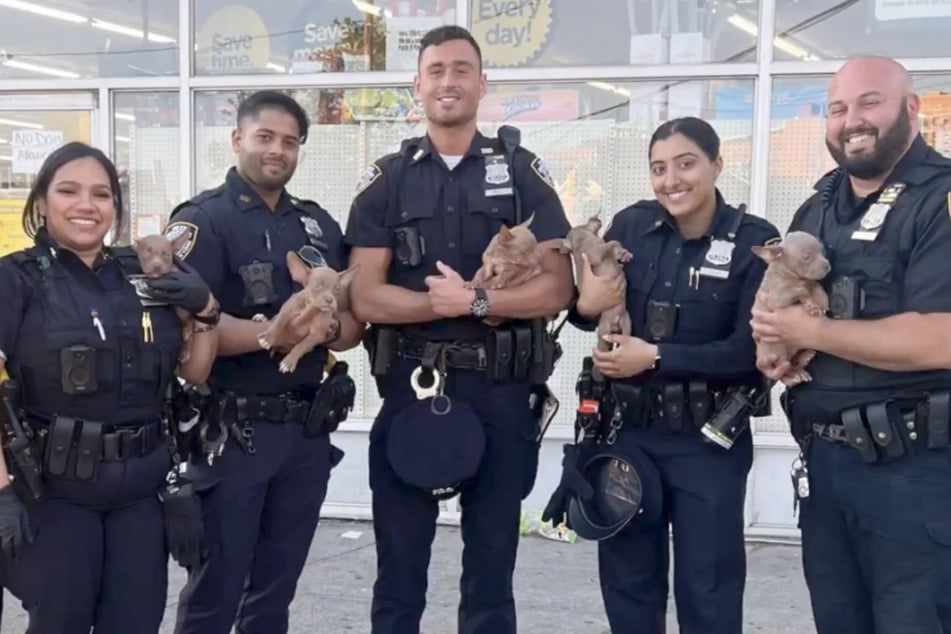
<point>511,32</point>
<point>233,39</point>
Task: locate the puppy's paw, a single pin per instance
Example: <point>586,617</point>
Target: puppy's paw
<point>287,367</point>
<point>812,308</point>
<point>259,318</point>
<point>624,256</point>
<point>264,340</point>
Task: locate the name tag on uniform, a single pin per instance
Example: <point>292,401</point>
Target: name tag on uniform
<point>873,219</point>
<point>496,175</point>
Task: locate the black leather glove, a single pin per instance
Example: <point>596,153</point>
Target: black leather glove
<point>184,526</point>
<point>572,484</point>
<point>14,524</point>
<point>184,289</point>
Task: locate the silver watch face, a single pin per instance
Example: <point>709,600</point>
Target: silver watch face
<point>480,308</point>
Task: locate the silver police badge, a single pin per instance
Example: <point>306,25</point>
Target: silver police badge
<point>496,170</point>
<point>875,216</point>
<point>312,227</point>
<point>720,252</point>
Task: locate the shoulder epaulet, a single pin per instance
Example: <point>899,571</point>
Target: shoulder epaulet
<point>405,146</point>
<point>197,200</point>
<point>35,262</point>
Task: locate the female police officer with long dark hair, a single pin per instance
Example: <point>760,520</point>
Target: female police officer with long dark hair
<point>690,290</point>
<point>92,363</point>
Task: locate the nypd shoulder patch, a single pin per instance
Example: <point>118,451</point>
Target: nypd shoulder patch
<point>370,175</point>
<point>541,170</point>
<point>183,236</point>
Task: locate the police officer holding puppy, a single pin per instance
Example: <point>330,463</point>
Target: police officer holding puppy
<point>669,429</point>
<point>874,485</point>
<point>455,415</point>
<point>276,461</point>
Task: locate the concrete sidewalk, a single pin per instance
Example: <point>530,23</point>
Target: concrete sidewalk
<point>556,587</point>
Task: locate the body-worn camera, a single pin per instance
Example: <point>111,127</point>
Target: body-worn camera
<point>661,320</point>
<point>258,283</point>
<point>846,298</point>
<point>410,248</point>
<point>78,370</point>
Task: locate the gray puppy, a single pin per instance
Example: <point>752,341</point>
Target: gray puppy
<point>794,268</point>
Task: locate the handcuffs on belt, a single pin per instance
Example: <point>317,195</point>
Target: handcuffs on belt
<point>436,371</point>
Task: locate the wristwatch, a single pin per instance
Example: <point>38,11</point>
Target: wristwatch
<point>480,305</point>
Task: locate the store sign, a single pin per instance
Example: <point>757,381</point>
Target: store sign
<point>402,40</point>
<point>12,237</point>
<point>511,32</point>
<point>541,105</point>
<point>886,10</point>
<point>232,39</point>
<point>327,36</point>
<point>31,147</point>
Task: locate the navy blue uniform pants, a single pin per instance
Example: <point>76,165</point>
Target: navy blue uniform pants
<point>260,520</point>
<point>99,560</point>
<point>704,495</point>
<point>876,542</point>
<point>404,518</point>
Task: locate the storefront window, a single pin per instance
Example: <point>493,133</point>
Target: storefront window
<point>88,38</point>
<point>593,137</point>
<point>147,152</point>
<point>833,30</point>
<point>312,37</point>
<point>613,32</point>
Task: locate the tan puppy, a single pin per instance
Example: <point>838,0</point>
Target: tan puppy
<point>316,304</point>
<point>511,258</point>
<point>792,276</point>
<point>155,257</point>
<point>606,259</point>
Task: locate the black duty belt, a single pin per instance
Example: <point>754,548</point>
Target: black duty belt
<point>462,356</point>
<point>281,408</point>
<point>117,443</point>
<point>675,407</point>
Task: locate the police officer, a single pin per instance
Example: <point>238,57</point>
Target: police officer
<point>873,422</point>
<point>90,363</point>
<point>690,287</point>
<point>276,463</point>
<point>452,419</point>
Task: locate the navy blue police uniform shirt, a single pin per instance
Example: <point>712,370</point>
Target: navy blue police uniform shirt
<point>905,269</point>
<point>712,338</point>
<point>230,227</point>
<point>456,211</point>
<point>135,348</point>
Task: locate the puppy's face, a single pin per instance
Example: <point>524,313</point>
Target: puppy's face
<point>155,255</point>
<point>800,254</point>
<point>512,244</point>
<point>323,284</point>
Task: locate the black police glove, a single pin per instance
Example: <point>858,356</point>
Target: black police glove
<point>184,527</point>
<point>14,524</point>
<point>184,289</point>
<point>572,484</point>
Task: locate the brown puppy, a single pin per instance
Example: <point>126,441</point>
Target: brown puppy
<point>155,257</point>
<point>792,276</point>
<point>511,258</point>
<point>317,304</point>
<point>607,259</point>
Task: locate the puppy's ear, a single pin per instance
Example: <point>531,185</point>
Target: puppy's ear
<point>528,223</point>
<point>564,246</point>
<point>505,235</point>
<point>298,268</point>
<point>769,253</point>
<point>347,276</point>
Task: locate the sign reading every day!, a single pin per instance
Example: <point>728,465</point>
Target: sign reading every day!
<point>31,147</point>
<point>511,32</point>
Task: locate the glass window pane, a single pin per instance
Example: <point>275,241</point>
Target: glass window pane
<point>832,30</point>
<point>88,38</point>
<point>593,136</point>
<point>308,37</point>
<point>147,154</point>
<point>613,32</point>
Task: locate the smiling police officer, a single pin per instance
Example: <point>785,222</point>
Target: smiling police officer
<point>262,516</point>
<point>873,422</point>
<point>418,226</point>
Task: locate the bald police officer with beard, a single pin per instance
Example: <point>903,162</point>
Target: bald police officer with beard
<point>261,518</point>
<point>874,486</point>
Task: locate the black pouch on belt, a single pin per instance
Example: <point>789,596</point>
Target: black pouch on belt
<point>882,418</point>
<point>58,444</point>
<point>674,407</point>
<point>939,413</point>
<point>499,349</point>
<point>699,398</point>
<point>523,351</point>
<point>89,451</point>
<point>857,436</point>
